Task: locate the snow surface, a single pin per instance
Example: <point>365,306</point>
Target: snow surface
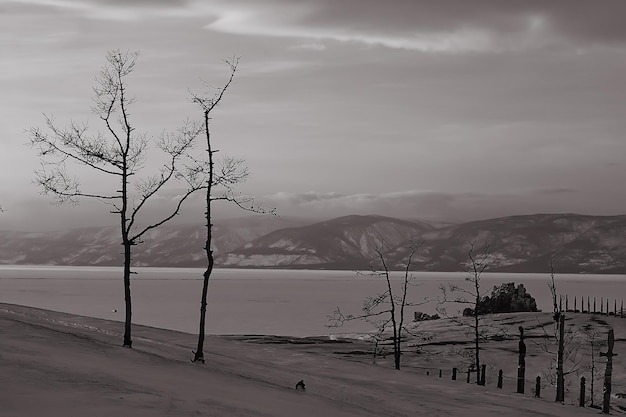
<point>55,364</point>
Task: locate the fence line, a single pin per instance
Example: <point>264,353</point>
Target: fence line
<point>579,395</point>
<point>589,305</point>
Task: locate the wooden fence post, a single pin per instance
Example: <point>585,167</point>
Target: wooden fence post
<point>581,401</point>
<point>500,379</point>
<point>454,374</point>
<point>606,404</point>
<point>538,387</point>
<point>440,373</point>
<point>468,375</point>
<point>483,371</point>
<point>521,362</point>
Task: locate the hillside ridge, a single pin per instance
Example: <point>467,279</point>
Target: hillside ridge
<point>575,243</point>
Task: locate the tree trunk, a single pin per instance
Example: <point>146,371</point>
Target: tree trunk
<point>127,243</point>
<point>560,377</point>
<point>477,340</point>
<point>199,353</point>
<point>521,363</point>
<point>396,354</point>
<point>396,339</point>
<point>127,299</point>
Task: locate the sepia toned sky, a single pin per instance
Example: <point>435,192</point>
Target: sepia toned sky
<point>445,110</point>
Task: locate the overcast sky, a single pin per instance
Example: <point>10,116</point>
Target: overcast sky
<point>443,110</point>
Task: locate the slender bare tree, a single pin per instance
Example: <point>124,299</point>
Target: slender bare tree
<point>218,181</point>
<point>567,357</point>
<point>477,264</point>
<point>559,318</point>
<point>593,336</point>
<point>387,306</point>
<point>118,152</point>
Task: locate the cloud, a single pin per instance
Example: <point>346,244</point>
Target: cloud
<point>36,214</point>
<point>313,46</point>
<point>117,10</point>
<point>449,26</point>
<point>436,206</point>
<point>422,25</point>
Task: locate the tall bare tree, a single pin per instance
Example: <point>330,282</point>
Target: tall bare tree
<point>218,181</point>
<point>118,152</point>
<point>593,336</point>
<point>477,264</point>
<point>567,356</point>
<point>559,318</point>
<point>388,306</point>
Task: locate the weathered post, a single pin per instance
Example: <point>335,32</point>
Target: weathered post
<point>615,307</point>
<point>560,303</point>
<point>500,379</point>
<point>601,305</point>
<point>521,362</point>
<point>594,305</point>
<point>606,404</point>
<point>454,374</point>
<point>581,401</point>
<point>538,387</point>
<point>575,307</point>
<point>588,306</point>
<point>440,373</point>
<point>468,375</point>
<point>621,310</point>
<point>566,303</point>
<point>483,371</point>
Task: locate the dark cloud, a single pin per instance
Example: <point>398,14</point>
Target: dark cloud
<point>450,23</point>
<point>596,20</point>
<point>438,206</point>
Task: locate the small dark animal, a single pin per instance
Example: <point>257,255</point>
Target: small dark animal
<point>300,385</point>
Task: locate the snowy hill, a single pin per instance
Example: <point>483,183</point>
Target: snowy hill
<point>575,244</point>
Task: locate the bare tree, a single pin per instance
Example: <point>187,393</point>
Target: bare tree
<point>477,264</point>
<point>567,357</point>
<point>218,181</point>
<point>119,152</point>
<point>594,338</point>
<point>559,318</point>
<point>385,310</point>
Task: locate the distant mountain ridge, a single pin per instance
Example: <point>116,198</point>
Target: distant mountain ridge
<point>341,243</point>
<point>575,244</point>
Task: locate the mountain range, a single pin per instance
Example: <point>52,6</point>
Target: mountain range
<point>573,243</point>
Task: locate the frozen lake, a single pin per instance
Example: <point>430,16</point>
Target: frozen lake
<point>255,301</point>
